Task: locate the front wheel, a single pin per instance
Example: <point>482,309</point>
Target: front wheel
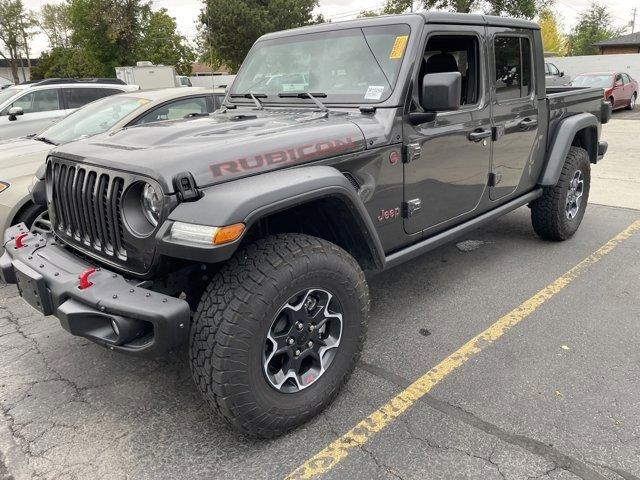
<point>557,214</point>
<point>278,332</point>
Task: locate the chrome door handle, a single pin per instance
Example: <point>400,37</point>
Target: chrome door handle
<point>479,134</point>
<point>528,123</point>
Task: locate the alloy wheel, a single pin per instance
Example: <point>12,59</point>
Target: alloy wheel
<point>574,195</point>
<point>303,340</point>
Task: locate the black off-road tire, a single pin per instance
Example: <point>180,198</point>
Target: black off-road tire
<point>548,213</point>
<point>237,310</point>
<point>29,214</point>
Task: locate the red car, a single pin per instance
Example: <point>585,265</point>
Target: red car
<point>620,90</point>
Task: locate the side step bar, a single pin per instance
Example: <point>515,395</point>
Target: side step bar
<point>430,243</point>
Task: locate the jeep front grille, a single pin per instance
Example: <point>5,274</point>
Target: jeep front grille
<point>87,207</point>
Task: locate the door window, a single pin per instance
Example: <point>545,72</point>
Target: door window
<point>553,69</point>
<point>626,78</point>
<point>513,67</point>
<point>78,97</point>
<point>455,53</point>
<point>39,101</point>
<point>176,110</point>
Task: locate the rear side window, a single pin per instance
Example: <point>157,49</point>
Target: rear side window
<point>513,67</point>
<point>39,101</point>
<point>176,110</point>
<point>79,97</point>
<point>626,78</point>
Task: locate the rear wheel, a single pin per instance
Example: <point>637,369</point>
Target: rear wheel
<point>632,102</point>
<point>278,332</point>
<point>557,214</point>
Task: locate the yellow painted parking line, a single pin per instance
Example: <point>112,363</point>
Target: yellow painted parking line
<point>330,456</point>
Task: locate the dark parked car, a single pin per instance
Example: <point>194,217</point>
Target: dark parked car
<point>246,233</point>
<point>620,90</point>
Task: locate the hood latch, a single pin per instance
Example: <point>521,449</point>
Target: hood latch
<point>185,186</point>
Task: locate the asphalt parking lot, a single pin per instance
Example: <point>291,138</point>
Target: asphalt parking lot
<point>553,395</point>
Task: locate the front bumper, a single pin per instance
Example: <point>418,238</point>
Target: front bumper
<point>47,275</point>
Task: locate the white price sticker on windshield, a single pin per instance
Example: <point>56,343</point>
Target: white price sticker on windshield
<point>374,93</point>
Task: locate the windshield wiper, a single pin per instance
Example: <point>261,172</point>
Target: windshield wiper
<point>251,96</point>
<point>312,96</point>
<point>45,140</point>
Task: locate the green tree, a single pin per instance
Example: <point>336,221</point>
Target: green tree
<point>162,44</point>
<point>553,40</point>
<point>510,8</point>
<point>66,62</point>
<point>55,22</point>
<point>109,30</point>
<point>594,25</point>
<point>229,29</point>
<point>15,25</point>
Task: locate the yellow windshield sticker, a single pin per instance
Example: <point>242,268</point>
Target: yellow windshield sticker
<point>398,47</point>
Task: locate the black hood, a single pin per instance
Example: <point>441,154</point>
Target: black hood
<point>222,146</point>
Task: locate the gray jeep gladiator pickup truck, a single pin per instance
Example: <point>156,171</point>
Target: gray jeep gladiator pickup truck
<point>341,148</point>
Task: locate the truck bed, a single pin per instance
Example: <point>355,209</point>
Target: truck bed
<point>575,100</point>
<point>565,101</point>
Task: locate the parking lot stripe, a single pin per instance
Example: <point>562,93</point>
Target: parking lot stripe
<point>331,455</point>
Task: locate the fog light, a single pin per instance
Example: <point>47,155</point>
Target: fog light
<point>115,328</point>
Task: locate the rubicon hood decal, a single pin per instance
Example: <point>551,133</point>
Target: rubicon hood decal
<point>301,153</point>
<point>221,147</point>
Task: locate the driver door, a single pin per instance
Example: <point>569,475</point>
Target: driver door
<point>448,159</point>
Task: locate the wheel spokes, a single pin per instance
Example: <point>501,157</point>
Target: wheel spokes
<point>302,340</point>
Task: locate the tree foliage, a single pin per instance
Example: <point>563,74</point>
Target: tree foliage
<point>511,8</point>
<point>66,62</point>
<point>15,30</point>
<point>89,38</point>
<point>229,29</point>
<point>553,40</point>
<point>594,25</point>
<point>54,21</point>
<point>161,43</point>
<point>108,30</point>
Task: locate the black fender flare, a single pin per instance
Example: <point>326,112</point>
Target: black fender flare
<point>565,132</point>
<point>249,199</point>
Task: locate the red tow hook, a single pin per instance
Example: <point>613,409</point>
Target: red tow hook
<point>19,238</point>
<point>84,278</point>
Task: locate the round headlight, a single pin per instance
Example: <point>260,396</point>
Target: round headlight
<point>151,204</point>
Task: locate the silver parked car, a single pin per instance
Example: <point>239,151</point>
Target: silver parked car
<point>20,158</point>
<point>28,108</point>
<point>554,77</point>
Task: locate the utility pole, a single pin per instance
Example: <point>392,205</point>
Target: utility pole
<point>412,6</point>
<point>633,20</point>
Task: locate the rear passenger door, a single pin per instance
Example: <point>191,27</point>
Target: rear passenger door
<point>515,109</point>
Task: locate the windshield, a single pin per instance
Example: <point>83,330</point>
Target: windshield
<point>356,65</point>
<point>7,93</point>
<point>602,81</point>
<point>97,117</point>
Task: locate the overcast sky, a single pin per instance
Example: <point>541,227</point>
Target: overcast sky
<point>186,12</point>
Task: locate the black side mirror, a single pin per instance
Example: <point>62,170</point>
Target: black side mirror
<point>440,93</point>
<point>14,112</point>
<point>562,74</point>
